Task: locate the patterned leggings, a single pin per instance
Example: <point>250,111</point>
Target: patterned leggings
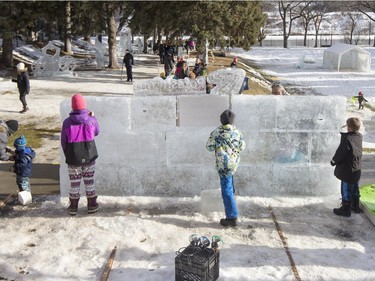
<point>76,173</point>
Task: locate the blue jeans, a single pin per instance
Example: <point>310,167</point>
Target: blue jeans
<point>227,193</point>
<point>23,183</point>
<point>349,191</point>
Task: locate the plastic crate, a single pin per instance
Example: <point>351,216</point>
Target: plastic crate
<point>197,264</point>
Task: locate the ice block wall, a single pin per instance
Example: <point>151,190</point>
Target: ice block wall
<point>155,145</point>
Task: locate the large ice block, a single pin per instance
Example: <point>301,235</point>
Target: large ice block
<point>254,113</point>
<point>187,146</point>
<point>144,150</point>
<point>318,113</point>
<point>153,113</point>
<point>201,111</point>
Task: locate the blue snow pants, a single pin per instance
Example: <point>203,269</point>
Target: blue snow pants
<point>227,193</point>
<point>349,191</point>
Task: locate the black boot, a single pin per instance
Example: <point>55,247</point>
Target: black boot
<point>228,222</point>
<point>73,207</point>
<point>344,210</point>
<point>355,206</point>
<point>92,205</point>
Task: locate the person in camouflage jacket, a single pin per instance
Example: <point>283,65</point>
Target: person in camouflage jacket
<point>227,142</point>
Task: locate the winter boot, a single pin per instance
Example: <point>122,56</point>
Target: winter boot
<point>344,210</point>
<point>92,205</point>
<point>73,208</point>
<point>355,206</point>
<point>228,222</point>
<point>24,109</point>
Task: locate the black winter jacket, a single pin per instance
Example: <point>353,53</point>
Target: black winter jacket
<point>348,157</point>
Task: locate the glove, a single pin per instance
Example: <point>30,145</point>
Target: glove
<point>11,158</point>
<point>333,163</point>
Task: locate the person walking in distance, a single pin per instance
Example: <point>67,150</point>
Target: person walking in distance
<point>23,85</point>
<point>78,143</point>
<point>129,62</point>
<point>361,99</point>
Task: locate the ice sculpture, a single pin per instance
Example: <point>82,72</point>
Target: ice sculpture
<point>99,53</point>
<point>158,86</point>
<point>51,64</point>
<point>226,81</point>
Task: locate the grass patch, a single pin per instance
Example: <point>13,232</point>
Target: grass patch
<point>33,135</point>
<point>368,150</point>
<point>255,88</point>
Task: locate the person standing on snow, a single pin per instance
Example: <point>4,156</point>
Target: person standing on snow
<point>227,142</point>
<point>78,134</point>
<point>347,160</point>
<point>23,163</point>
<point>361,99</point>
<point>23,84</point>
<point>129,62</point>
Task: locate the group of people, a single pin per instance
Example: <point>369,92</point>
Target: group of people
<point>79,130</point>
<point>78,134</point>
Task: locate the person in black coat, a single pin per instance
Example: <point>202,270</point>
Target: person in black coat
<point>129,62</point>
<point>161,52</point>
<point>347,162</point>
<point>361,99</point>
<point>23,85</point>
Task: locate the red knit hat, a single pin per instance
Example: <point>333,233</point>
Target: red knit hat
<point>78,102</point>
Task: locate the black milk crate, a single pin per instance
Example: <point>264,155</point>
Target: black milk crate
<point>197,264</point>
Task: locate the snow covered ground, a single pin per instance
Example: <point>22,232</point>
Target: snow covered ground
<point>42,242</point>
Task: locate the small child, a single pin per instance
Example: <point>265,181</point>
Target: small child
<point>23,163</point>
<point>347,160</point>
<point>227,142</point>
<point>361,99</point>
<point>78,134</point>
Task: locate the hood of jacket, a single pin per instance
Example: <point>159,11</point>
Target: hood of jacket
<point>79,116</point>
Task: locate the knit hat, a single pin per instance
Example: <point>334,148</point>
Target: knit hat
<point>227,117</point>
<point>20,66</point>
<point>12,126</point>
<point>20,143</point>
<point>78,102</point>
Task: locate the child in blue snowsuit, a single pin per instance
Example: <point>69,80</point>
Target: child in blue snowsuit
<point>23,163</point>
<point>227,142</point>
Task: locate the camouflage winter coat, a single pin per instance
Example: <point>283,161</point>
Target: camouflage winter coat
<point>227,142</point>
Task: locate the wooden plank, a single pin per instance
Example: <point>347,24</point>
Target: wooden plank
<point>108,266</point>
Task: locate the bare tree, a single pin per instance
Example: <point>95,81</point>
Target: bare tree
<point>352,27</point>
<point>320,9</point>
<point>289,12</point>
<point>306,15</point>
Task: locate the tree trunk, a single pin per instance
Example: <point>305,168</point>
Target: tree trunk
<point>7,57</point>
<point>112,48</point>
<point>68,31</point>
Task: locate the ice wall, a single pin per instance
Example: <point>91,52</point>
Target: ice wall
<point>155,145</point>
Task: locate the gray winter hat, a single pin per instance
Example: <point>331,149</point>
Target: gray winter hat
<point>12,126</point>
<point>227,117</point>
